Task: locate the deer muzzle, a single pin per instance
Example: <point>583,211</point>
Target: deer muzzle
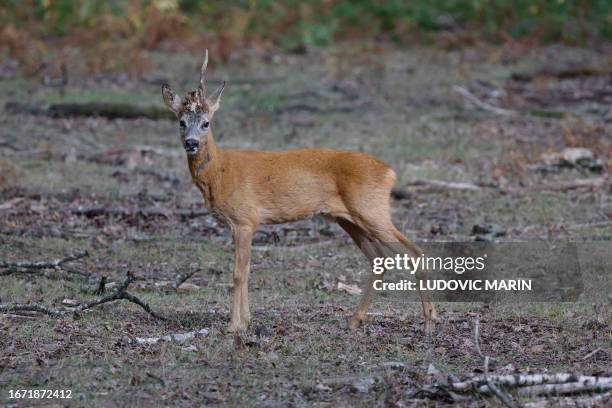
<point>191,145</point>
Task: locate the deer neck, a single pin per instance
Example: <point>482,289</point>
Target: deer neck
<point>204,168</point>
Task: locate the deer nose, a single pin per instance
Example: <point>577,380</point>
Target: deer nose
<point>191,144</point>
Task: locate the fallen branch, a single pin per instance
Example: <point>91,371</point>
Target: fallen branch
<point>590,401</point>
<point>180,279</point>
<point>34,266</point>
<point>593,353</point>
<point>561,72</point>
<point>432,186</point>
<point>436,186</point>
<point>101,286</point>
<point>118,294</point>
<point>597,385</point>
<point>178,337</point>
<point>92,109</point>
<point>591,183</point>
<point>30,308</point>
<point>482,105</point>
<point>96,211</point>
<point>156,378</point>
<point>505,112</point>
<point>395,365</point>
<point>502,396</point>
<point>519,380</point>
<point>361,384</point>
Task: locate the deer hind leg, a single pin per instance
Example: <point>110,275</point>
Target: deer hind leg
<point>380,227</point>
<point>404,245</point>
<point>371,250</point>
<point>240,314</point>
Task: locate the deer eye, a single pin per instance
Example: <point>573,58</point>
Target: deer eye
<point>205,124</point>
<point>182,124</point>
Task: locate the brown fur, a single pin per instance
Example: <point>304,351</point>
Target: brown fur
<point>250,187</point>
<point>277,187</point>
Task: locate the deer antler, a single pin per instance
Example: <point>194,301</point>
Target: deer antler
<point>202,72</point>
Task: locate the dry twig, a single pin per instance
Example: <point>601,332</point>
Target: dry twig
<point>180,278</point>
<point>482,105</point>
<point>96,211</point>
<point>502,396</point>
<point>101,286</point>
<point>30,308</point>
<point>34,266</point>
<point>589,183</point>
<point>592,353</point>
<point>118,294</point>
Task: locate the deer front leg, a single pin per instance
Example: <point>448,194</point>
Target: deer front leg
<point>240,314</point>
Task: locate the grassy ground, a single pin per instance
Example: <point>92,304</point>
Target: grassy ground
<point>399,106</point>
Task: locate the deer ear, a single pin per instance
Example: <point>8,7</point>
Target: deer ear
<point>172,100</point>
<point>214,101</point>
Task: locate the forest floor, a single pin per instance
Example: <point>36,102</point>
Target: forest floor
<point>120,190</point>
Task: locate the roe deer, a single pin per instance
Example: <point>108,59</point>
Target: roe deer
<point>250,187</point>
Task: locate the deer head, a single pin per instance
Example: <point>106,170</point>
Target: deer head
<point>194,112</point>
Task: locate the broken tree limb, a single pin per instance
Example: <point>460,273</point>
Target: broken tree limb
<point>597,385</point>
<point>91,109</point>
<point>56,263</point>
<point>180,278</point>
<point>33,266</point>
<point>593,353</point>
<point>501,395</point>
<point>177,337</point>
<point>118,294</point>
<point>519,380</point>
<point>477,337</point>
<point>361,384</point>
<point>394,365</point>
<point>590,401</point>
<point>591,183</point>
<point>101,286</point>
<point>30,308</point>
<point>561,72</point>
<point>437,186</point>
<point>587,384</point>
<point>482,105</point>
<point>96,211</point>
<point>470,97</point>
<point>129,297</point>
<point>433,186</point>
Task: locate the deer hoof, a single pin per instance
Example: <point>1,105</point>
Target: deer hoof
<point>236,327</point>
<point>430,326</point>
<point>354,323</point>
